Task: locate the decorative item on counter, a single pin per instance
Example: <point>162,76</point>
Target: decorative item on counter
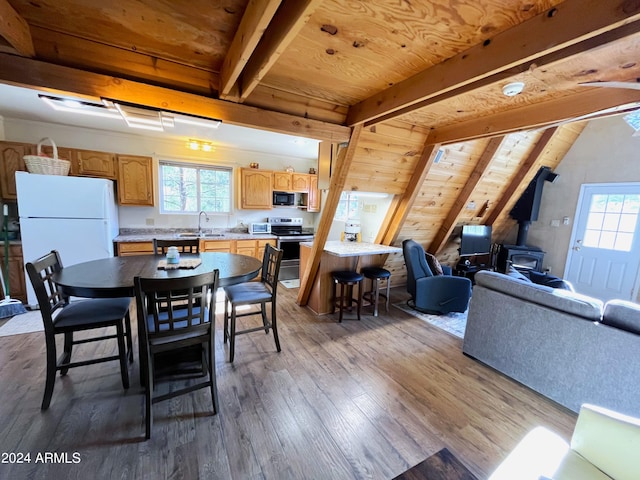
<point>173,255</point>
<point>351,231</point>
<point>42,164</point>
<point>312,171</point>
<point>289,169</point>
<point>254,165</point>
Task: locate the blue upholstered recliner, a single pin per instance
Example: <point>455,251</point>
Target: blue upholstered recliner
<point>433,293</point>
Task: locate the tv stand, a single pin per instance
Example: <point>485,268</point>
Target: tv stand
<point>469,270</point>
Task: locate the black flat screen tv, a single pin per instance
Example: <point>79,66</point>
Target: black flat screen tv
<point>475,240</point>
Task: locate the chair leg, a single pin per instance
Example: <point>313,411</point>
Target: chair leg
<point>388,293</point>
<point>148,397</point>
<point>232,334</point>
<point>335,298</point>
<point>212,375</point>
<point>225,330</point>
<point>359,298</point>
<point>51,373</point>
<point>122,351</point>
<point>68,347</point>
<point>263,314</point>
<point>274,326</point>
<point>377,295</point>
<point>127,325</point>
<point>342,306</point>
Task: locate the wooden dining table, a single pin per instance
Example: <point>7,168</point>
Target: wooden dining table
<point>113,277</point>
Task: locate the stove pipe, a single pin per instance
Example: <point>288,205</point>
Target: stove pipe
<point>523,231</point>
<point>527,207</point>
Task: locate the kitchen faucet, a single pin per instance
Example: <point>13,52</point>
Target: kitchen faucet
<point>199,219</point>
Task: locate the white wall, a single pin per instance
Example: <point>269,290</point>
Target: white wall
<point>605,152</point>
<point>371,213</point>
<point>149,217</point>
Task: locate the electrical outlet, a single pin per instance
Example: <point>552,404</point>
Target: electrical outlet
<point>150,221</point>
<point>565,221</point>
<point>555,223</point>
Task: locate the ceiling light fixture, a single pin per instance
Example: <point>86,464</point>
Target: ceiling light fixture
<point>200,145</point>
<point>135,116</point>
<point>513,89</point>
<point>77,106</point>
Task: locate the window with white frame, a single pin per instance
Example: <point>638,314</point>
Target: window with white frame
<point>347,206</point>
<point>190,188</point>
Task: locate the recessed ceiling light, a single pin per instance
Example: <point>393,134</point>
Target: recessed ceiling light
<point>513,89</point>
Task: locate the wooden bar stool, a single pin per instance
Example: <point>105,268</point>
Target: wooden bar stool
<point>375,274</point>
<point>347,279</point>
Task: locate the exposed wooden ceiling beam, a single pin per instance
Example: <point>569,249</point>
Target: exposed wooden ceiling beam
<point>523,171</point>
<point>336,185</point>
<point>290,18</point>
<point>15,30</point>
<point>450,221</point>
<point>254,22</point>
<point>546,61</point>
<point>36,74</point>
<point>561,26</point>
<point>394,222</point>
<point>537,115</point>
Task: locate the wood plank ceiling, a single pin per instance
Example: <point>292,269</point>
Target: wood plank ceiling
<point>412,76</point>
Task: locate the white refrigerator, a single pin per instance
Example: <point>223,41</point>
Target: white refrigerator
<point>75,215</point>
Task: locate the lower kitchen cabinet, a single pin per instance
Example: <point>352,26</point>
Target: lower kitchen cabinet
<point>135,248</point>
<point>17,285</point>
<point>225,246</point>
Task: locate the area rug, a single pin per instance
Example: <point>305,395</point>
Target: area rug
<point>294,283</point>
<point>439,466</point>
<point>25,323</point>
<point>453,323</point>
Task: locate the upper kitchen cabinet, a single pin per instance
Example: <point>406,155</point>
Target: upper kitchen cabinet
<point>94,164</point>
<point>11,161</point>
<point>255,189</point>
<point>282,181</point>
<point>135,180</point>
<point>314,194</point>
<point>300,182</point>
<point>290,182</point>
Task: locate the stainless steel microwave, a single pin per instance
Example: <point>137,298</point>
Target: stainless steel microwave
<point>284,198</point>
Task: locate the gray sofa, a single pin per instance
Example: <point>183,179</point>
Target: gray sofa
<point>568,347</point>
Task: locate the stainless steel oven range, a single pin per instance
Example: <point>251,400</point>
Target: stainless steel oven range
<point>289,233</point>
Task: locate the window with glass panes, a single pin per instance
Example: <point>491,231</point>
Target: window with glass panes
<point>190,188</point>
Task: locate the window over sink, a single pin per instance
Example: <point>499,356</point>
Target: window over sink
<point>191,188</point>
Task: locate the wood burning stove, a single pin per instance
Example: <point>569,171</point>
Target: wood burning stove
<point>521,256</point>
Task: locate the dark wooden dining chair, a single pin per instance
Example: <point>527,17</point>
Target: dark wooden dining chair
<point>253,293</point>
<point>177,314</point>
<point>61,317</point>
<point>185,245</point>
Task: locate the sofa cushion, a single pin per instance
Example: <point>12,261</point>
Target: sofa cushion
<point>433,263</point>
<point>623,315</point>
<point>562,300</point>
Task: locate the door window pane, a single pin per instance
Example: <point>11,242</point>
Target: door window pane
<point>612,222</point>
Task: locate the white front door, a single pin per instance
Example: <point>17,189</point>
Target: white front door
<point>604,255</point>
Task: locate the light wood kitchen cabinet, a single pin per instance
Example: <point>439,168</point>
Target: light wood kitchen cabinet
<point>255,189</point>
<point>246,247</point>
<point>261,246</point>
<point>11,161</point>
<point>300,182</point>
<point>282,181</point>
<point>17,285</point>
<point>94,164</point>
<point>135,248</point>
<point>135,180</point>
<point>224,246</point>
<point>314,198</point>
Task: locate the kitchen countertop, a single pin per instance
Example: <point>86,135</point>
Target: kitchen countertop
<point>143,235</point>
<point>355,249</point>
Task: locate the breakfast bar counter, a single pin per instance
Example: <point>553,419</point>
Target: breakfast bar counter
<point>339,256</point>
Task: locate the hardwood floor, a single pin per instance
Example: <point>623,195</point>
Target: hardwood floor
<point>366,399</point>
